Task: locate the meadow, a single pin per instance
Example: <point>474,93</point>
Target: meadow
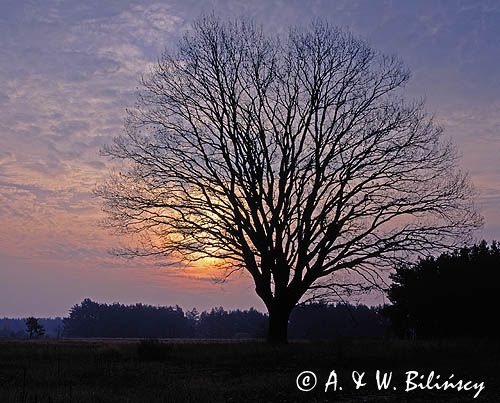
<point>127,370</point>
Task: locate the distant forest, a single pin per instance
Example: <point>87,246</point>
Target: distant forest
<point>450,296</point>
<point>312,322</point>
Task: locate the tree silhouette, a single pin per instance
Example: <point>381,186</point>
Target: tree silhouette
<point>453,295</point>
<point>33,328</point>
<point>92,319</point>
<point>292,158</point>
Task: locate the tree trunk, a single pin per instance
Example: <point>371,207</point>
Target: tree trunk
<point>278,325</point>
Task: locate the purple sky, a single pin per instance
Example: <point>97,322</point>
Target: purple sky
<point>68,70</point>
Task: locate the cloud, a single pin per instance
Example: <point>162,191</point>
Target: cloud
<point>6,159</point>
<point>4,99</point>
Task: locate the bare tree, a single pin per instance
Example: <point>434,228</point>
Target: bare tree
<point>33,328</point>
<point>292,158</point>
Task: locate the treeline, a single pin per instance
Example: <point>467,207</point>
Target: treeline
<point>328,321</point>
<point>313,321</point>
<point>93,319</point>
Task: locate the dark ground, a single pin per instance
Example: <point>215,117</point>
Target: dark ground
<point>72,371</point>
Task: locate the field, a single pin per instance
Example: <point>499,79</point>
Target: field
<point>74,371</point>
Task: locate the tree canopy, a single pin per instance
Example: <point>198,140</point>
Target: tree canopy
<point>452,295</point>
<point>293,158</point>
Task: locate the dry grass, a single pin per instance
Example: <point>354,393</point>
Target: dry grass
<point>125,370</point>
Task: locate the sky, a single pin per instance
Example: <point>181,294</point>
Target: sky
<point>69,69</point>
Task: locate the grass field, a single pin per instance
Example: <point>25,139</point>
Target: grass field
<point>74,371</point>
